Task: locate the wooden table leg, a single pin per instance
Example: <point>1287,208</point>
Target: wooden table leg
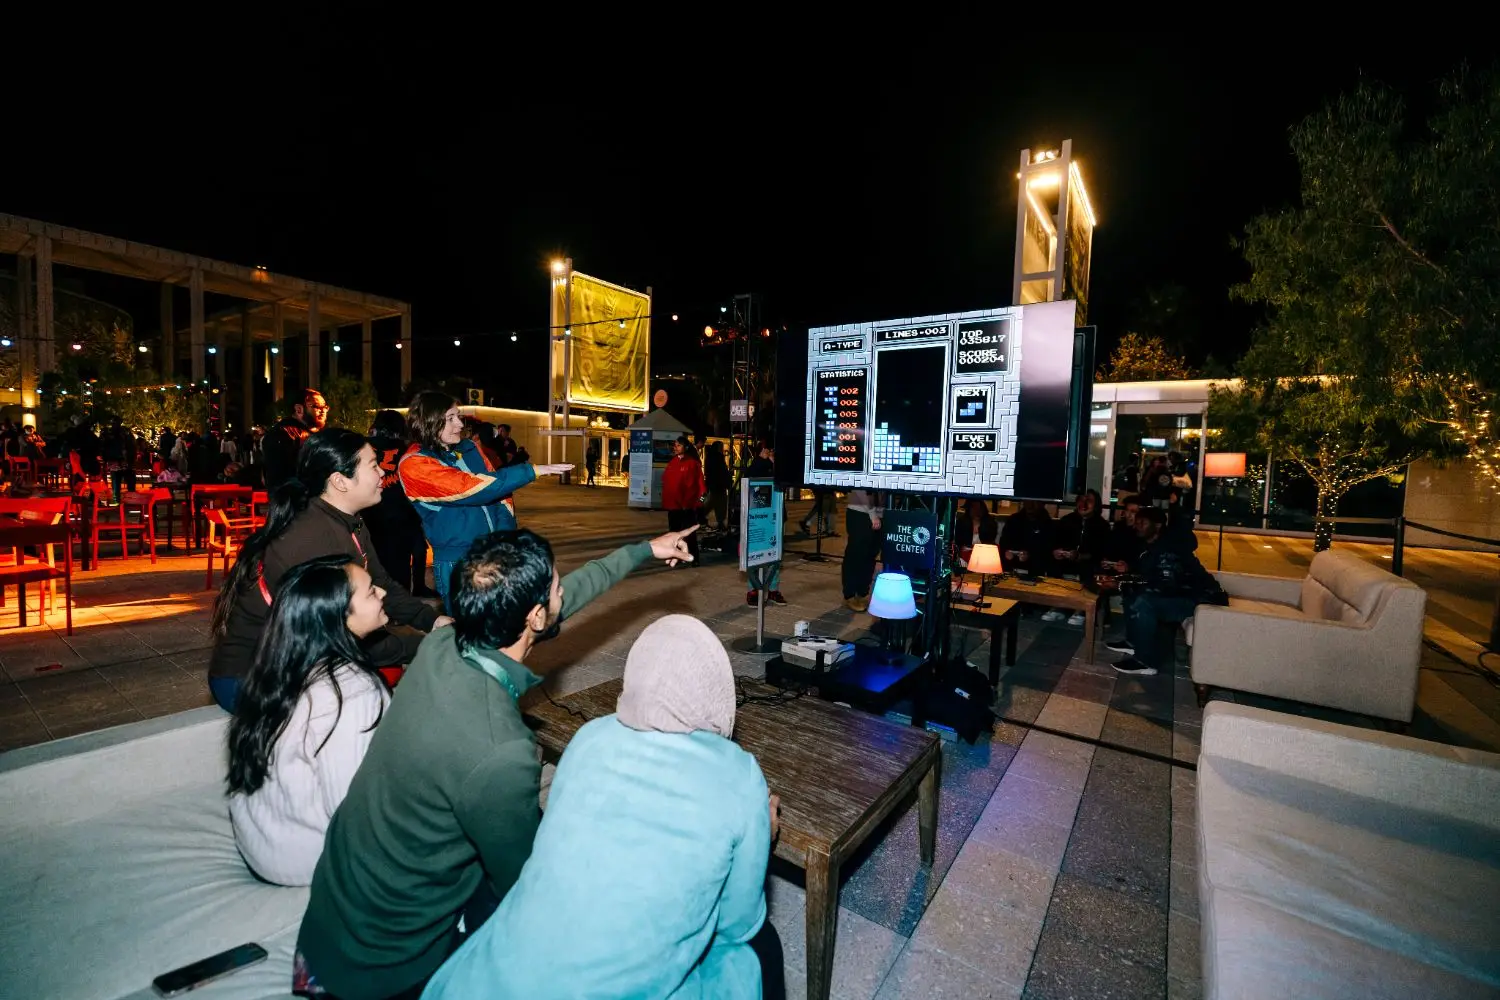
<point>1088,629</point>
<point>822,922</point>
<point>996,637</point>
<point>927,810</point>
<point>1012,634</point>
<point>21,600</point>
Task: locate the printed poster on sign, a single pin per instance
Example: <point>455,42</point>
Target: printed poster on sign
<point>640,469</point>
<point>760,522</point>
<point>910,540</point>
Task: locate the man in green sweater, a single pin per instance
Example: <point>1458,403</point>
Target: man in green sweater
<point>444,806</point>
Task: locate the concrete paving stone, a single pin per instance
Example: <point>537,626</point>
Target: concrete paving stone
<point>924,973</point>
<point>194,660</point>
<point>1137,732</point>
<point>1184,989</point>
<point>22,660</point>
<point>1131,781</point>
<point>61,726</point>
<point>1122,925</point>
<point>1069,968</point>
<point>990,937</point>
<point>1114,851</point>
<point>122,647</point>
<point>11,696</point>
<point>1031,837</point>
<point>1182,892</point>
<point>784,898</point>
<point>1071,774</point>
<point>1009,734</point>
<point>863,953</point>
<point>1184,948</point>
<point>167,637</point>
<point>985,872</point>
<point>888,884</point>
<point>1058,746</point>
<point>171,699</point>
<point>1085,686</point>
<point>1184,792</point>
<point>1185,742</point>
<point>1019,703</point>
<point>1146,696</point>
<point>974,769</point>
<point>144,675</point>
<point>21,728</point>
<point>1054,803</point>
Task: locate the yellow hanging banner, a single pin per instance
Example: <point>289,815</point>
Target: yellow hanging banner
<point>610,345</point>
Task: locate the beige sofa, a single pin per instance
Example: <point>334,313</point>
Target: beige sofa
<point>1348,636</point>
<point>1336,862</point>
<point>118,863</point>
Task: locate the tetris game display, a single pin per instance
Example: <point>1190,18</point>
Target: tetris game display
<point>967,403</point>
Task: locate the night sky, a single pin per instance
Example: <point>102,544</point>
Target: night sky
<point>843,184</point>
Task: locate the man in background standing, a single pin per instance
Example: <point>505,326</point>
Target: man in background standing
<point>283,443</point>
<point>862,527</point>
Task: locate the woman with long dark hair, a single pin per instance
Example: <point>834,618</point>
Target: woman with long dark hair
<point>305,716</point>
<point>315,513</point>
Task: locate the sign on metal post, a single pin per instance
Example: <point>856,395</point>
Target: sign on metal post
<point>910,540</point>
<point>760,545</point>
<point>760,522</point>
<point>739,410</point>
<point>640,469</point>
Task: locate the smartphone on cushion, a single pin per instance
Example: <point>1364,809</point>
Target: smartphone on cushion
<point>190,977</point>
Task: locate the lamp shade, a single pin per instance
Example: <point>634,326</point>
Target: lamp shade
<point>985,559</point>
<point>1224,464</point>
<point>892,597</point>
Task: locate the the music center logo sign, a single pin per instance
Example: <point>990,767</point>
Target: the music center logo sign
<point>910,540</point>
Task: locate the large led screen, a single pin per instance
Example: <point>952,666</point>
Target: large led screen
<point>975,403</point>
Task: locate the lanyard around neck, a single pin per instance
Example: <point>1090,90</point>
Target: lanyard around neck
<point>495,670</point>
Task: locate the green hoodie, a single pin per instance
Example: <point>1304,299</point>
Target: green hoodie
<point>446,794</point>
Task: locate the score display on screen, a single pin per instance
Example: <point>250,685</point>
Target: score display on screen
<point>971,404</point>
<point>839,420</point>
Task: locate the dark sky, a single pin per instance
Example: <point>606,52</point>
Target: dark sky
<point>842,183</point>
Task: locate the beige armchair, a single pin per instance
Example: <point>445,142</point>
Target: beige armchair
<point>1347,636</point>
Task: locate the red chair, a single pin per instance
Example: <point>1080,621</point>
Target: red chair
<point>114,518</point>
<point>49,510</point>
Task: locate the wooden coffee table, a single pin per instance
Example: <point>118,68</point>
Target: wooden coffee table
<point>839,773</point>
<point>1065,594</point>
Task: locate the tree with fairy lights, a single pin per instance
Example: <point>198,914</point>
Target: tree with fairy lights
<point>1385,273</point>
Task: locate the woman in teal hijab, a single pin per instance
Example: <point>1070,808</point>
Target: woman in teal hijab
<point>647,878</point>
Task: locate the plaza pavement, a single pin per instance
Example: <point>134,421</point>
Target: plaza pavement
<point>1065,861</point>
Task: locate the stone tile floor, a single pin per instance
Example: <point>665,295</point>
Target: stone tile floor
<point>1065,863</point>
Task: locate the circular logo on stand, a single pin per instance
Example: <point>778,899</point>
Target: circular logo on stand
<point>660,399</point>
<point>920,535</point>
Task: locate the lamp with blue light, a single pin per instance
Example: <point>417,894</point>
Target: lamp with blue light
<point>892,599</point>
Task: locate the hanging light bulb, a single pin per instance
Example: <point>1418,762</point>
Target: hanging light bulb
<point>456,342</point>
<point>143,348</point>
<point>77,346</point>
<point>275,350</point>
<point>512,338</point>
<point>211,350</point>
<point>337,348</point>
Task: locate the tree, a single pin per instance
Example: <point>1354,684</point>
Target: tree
<point>1368,286</point>
<point>149,411</point>
<point>1385,273</point>
<point>1143,359</point>
<point>351,403</point>
<point>1326,426</point>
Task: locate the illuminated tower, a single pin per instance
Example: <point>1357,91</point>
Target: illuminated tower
<point>1054,230</point>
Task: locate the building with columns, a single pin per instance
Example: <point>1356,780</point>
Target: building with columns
<point>295,330</point>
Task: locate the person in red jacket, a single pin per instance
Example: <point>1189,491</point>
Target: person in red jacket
<point>681,489</point>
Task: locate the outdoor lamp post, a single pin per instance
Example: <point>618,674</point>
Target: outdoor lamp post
<point>1222,465</point>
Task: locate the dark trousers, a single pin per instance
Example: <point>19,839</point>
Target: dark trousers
<point>403,553</point>
<point>862,545</point>
<point>678,520</point>
<point>718,505</point>
<point>1144,612</point>
<point>767,947</point>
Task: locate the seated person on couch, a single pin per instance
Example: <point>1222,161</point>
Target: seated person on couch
<point>652,854</point>
<point>305,716</point>
<point>1172,583</point>
<point>440,817</point>
<point>1026,540</point>
<point>1080,541</point>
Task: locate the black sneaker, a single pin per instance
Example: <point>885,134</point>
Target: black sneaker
<point>1121,646</point>
<point>1130,665</point>
<point>776,598</point>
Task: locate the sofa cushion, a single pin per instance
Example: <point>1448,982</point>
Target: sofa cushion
<point>134,872</point>
<point>1343,588</point>
<point>1380,900</point>
<point>1249,604</point>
